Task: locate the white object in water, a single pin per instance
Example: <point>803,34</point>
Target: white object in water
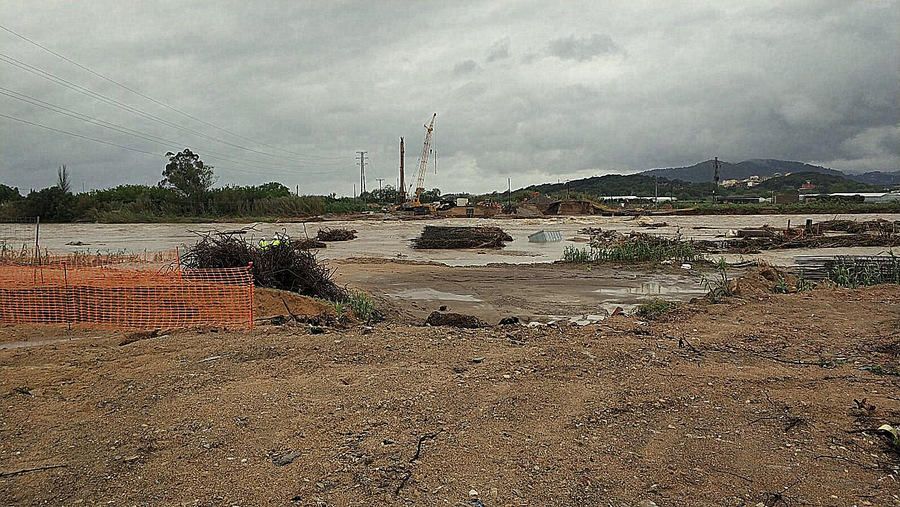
<point>685,266</point>
<point>545,237</point>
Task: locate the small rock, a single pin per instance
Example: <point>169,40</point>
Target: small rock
<point>647,503</point>
<point>477,360</point>
<point>285,459</point>
<point>455,320</point>
<point>508,321</point>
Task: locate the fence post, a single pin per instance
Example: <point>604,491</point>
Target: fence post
<point>252,292</point>
<point>37,238</point>
<point>69,305</point>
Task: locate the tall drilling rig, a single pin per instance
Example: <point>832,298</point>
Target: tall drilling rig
<point>423,165</point>
<point>402,189</point>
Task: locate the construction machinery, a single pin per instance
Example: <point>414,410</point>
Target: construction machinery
<point>415,201</point>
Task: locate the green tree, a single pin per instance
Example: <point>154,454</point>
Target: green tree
<point>63,182</point>
<point>52,204</point>
<point>188,175</point>
<point>8,193</point>
<point>384,195</point>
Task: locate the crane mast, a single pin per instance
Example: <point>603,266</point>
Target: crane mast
<point>423,162</point>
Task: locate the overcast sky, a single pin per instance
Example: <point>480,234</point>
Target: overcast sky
<point>531,90</point>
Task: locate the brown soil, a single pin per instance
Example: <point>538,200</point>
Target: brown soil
<point>271,302</point>
<point>529,291</point>
<point>731,404</point>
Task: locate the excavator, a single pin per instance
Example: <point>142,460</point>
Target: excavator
<point>415,202</point>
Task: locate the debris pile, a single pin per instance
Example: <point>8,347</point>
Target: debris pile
<point>454,320</point>
<point>308,243</point>
<point>444,237</point>
<point>329,234</point>
<point>828,234</point>
<point>855,227</point>
<point>278,264</point>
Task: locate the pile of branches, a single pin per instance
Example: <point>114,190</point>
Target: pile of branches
<point>329,234</point>
<point>279,264</point>
<point>308,243</point>
<point>851,234</point>
<point>854,227</point>
<point>442,237</point>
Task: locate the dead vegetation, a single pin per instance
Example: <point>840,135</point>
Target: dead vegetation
<point>827,234</point>
<point>279,264</point>
<point>309,243</point>
<point>336,234</point>
<point>447,237</point>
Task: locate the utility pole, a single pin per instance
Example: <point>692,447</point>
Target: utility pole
<point>402,181</point>
<point>716,178</point>
<point>508,194</point>
<point>379,180</point>
<point>656,189</point>
<point>362,171</point>
<point>354,190</point>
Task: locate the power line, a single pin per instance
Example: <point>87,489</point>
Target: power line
<point>103,98</point>
<point>170,144</point>
<point>101,141</point>
<point>151,99</point>
<point>77,135</point>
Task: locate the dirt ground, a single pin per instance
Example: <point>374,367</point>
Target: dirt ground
<point>529,291</point>
<point>768,398</point>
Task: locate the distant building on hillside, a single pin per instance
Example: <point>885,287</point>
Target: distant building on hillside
<point>574,207</point>
<point>741,199</point>
<point>808,185</point>
<point>874,197</point>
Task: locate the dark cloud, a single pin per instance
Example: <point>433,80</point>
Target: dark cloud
<point>305,85</point>
<point>582,48</point>
<point>465,67</point>
<point>499,50</point>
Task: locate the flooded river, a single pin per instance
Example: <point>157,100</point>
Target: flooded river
<point>390,239</point>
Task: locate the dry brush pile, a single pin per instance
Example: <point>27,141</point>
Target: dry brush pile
<point>444,237</point>
<point>281,264</point>
<point>329,234</point>
<point>827,234</point>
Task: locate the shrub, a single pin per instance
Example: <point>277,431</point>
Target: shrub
<point>654,309</point>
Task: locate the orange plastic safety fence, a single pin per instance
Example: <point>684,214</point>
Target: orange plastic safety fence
<point>28,257</point>
<point>122,298</point>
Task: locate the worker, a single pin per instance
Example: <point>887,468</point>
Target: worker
<point>265,244</point>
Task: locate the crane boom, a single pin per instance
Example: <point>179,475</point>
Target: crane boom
<point>423,161</point>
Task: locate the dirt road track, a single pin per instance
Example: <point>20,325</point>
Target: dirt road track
<point>757,402</point>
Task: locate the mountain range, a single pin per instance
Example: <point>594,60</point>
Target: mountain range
<point>703,172</point>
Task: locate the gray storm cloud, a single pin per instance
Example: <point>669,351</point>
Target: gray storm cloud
<point>582,48</point>
<point>528,90</point>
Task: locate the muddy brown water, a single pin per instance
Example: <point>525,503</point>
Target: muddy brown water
<point>465,279</point>
<point>390,239</point>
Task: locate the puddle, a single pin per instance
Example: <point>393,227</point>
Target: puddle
<point>434,295</point>
<point>652,289</point>
<point>35,343</point>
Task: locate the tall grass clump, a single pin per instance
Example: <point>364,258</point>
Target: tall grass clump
<point>362,305</point>
<point>719,286</point>
<point>854,273</point>
<point>654,309</point>
<point>635,249</point>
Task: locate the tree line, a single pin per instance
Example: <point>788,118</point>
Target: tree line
<point>185,192</point>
